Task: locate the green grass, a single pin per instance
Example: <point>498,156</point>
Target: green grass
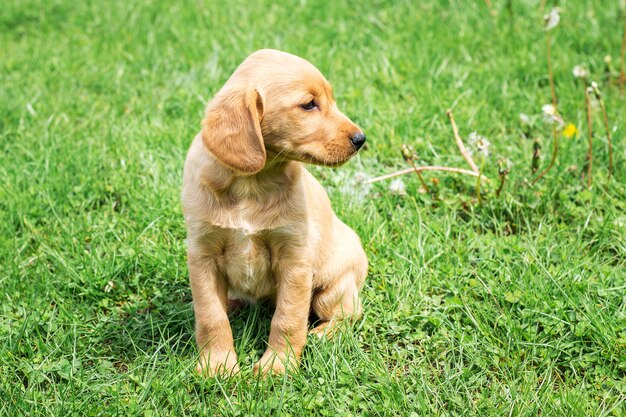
<point>514,306</point>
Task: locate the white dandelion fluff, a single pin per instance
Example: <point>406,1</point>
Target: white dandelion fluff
<point>397,187</point>
<point>548,109</point>
<point>552,19</point>
<point>550,115</point>
<point>480,143</point>
<point>595,90</point>
<point>580,72</point>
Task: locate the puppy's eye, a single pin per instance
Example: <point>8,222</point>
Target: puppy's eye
<point>309,105</point>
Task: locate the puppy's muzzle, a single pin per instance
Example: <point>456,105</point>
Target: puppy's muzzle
<point>358,140</point>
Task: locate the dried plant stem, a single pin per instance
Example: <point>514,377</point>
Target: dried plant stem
<point>622,73</point>
<point>426,168</point>
<point>590,130</point>
<point>608,136</point>
<point>555,149</point>
<point>478,179</point>
<point>502,181</point>
<point>555,146</point>
<point>459,143</point>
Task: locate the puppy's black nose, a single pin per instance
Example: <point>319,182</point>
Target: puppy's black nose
<point>358,140</point>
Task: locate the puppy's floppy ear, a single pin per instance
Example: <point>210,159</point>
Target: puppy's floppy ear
<point>231,129</point>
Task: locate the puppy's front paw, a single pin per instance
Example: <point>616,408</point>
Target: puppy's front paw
<point>275,363</point>
<point>213,364</point>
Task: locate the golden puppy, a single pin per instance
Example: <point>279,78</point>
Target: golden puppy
<point>259,225</point>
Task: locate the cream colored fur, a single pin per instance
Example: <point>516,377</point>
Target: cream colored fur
<point>259,225</point>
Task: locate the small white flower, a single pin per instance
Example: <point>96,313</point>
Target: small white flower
<point>595,90</point>
<point>552,19</point>
<point>524,119</point>
<point>397,187</point>
<point>548,109</point>
<point>480,143</point>
<point>580,72</point>
<point>607,59</point>
<point>550,115</point>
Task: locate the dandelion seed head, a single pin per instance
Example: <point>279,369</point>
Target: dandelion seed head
<point>483,146</point>
<point>552,19</point>
<point>580,72</point>
<point>548,109</point>
<point>397,187</point>
<point>524,119</point>
<point>550,115</point>
<point>596,90</point>
<point>480,143</point>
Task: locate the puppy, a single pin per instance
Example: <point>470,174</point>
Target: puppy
<point>259,226</point>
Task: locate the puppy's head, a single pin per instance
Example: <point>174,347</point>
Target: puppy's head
<point>278,106</point>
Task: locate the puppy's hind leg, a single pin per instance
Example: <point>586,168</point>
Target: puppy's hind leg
<point>337,304</point>
<point>339,282</point>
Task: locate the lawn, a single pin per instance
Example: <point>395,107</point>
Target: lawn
<point>504,305</point>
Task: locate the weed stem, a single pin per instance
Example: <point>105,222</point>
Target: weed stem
<point>555,145</point>
<point>459,143</point>
<point>608,136</point>
<point>425,168</point>
<point>590,130</point>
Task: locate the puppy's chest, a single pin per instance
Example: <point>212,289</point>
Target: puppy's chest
<point>247,262</point>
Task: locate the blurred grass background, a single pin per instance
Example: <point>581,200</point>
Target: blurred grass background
<point>514,306</point>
